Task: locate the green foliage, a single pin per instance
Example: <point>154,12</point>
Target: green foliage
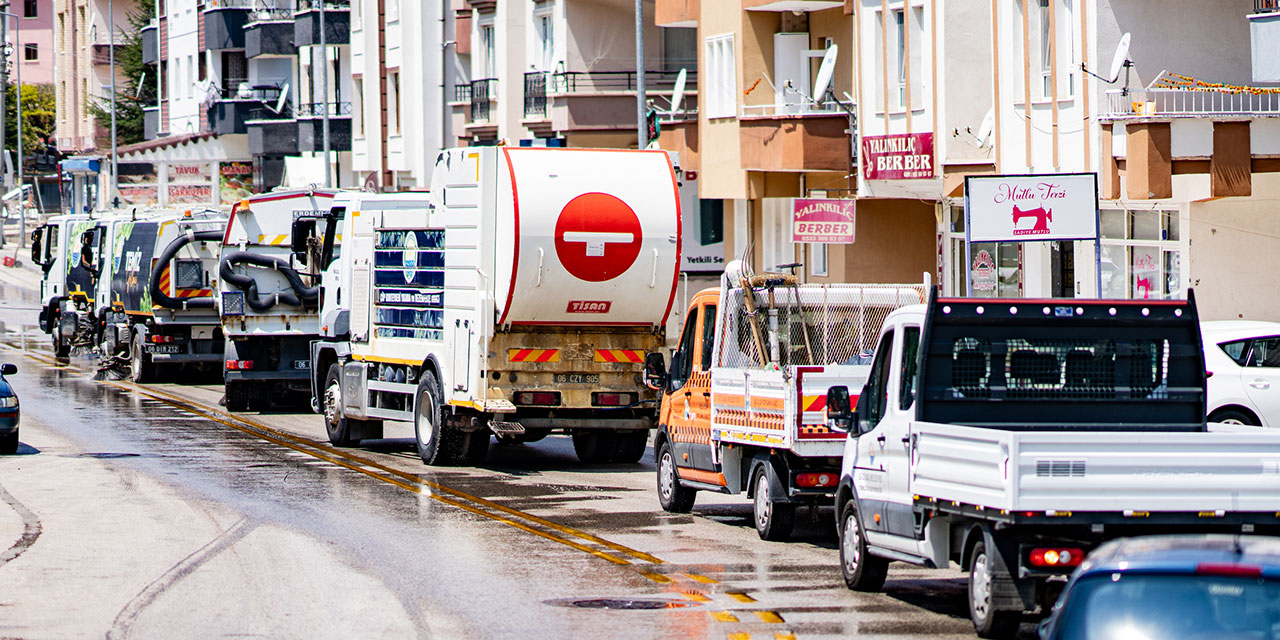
<point>38,116</point>
<point>137,88</point>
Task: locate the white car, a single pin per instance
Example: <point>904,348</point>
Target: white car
<point>1242,359</point>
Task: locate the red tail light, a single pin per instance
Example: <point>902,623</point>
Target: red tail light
<point>1228,569</point>
<point>160,339</point>
<point>239,365</point>
<point>816,479</point>
<point>539,398</point>
<point>612,399</point>
<point>1057,557</point>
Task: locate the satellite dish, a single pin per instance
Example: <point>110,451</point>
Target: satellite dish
<point>1121,59</point>
<point>283,99</point>
<point>984,130</point>
<point>677,94</point>
<point>828,69</point>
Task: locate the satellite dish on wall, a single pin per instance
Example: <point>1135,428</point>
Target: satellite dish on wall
<point>1121,59</point>
<point>284,98</point>
<point>677,94</point>
<point>825,72</point>
<point>984,130</point>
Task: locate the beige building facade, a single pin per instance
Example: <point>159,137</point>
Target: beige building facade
<point>82,36</point>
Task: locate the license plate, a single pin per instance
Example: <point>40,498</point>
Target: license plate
<point>301,364</point>
<point>577,378</point>
<point>164,348</point>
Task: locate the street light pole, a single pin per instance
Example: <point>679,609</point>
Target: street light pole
<point>111,44</point>
<point>22,192</point>
<point>641,128</point>
<point>324,97</point>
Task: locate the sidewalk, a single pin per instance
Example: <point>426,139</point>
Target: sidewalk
<point>27,275</point>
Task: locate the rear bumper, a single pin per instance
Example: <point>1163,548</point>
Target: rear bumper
<point>184,358</point>
<point>9,420</point>
<point>283,375</point>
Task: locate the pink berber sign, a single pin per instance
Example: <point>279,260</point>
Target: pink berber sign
<point>902,156</point>
<point>824,221</point>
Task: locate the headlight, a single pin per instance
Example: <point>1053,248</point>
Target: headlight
<point>8,402</point>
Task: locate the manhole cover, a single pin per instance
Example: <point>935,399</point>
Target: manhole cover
<point>108,455</point>
<point>621,604</point>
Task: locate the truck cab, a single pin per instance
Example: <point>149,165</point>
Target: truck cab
<point>55,247</point>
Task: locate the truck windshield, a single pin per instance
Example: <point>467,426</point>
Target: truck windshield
<point>1080,364</point>
<point>1122,606</point>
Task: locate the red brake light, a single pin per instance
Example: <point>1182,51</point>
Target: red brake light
<point>160,339</point>
<point>543,398</point>
<point>239,365</point>
<point>1228,569</point>
<point>1208,374</point>
<point>816,479</point>
<point>612,399</point>
<point>1056,557</point>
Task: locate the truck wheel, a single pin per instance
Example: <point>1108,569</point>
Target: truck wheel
<point>862,571</point>
<point>593,447</point>
<point>774,520</point>
<point>987,621</point>
<point>630,446</point>
<point>436,444</point>
<point>673,497</point>
<point>238,397</point>
<point>61,348</point>
<point>9,443</point>
<point>335,423</point>
<point>140,368</point>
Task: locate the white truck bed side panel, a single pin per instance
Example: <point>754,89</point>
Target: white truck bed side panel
<point>964,464</point>
<point>748,406</point>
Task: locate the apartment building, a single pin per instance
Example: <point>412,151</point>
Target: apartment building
<point>80,54</point>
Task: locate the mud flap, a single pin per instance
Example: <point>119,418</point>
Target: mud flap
<point>776,473</point>
<point>1008,592</point>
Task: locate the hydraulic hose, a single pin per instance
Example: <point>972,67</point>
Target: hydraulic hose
<point>249,286</point>
<point>165,300</point>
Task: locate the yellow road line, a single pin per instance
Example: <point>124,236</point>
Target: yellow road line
<point>740,596</point>
<point>771,617</point>
<point>784,635</point>
<point>724,616</point>
<point>656,577</point>
<point>698,577</point>
<point>738,635</point>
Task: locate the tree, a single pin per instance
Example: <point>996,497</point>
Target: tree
<point>137,88</point>
<point>39,117</point>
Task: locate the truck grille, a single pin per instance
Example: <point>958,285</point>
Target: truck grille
<point>1060,468</point>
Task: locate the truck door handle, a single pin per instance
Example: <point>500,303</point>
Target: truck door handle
<point>1259,383</point>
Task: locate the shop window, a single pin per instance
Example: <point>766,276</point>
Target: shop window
<point>722,81</point>
<point>1141,254</point>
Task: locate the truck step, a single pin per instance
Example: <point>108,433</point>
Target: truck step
<point>506,428</point>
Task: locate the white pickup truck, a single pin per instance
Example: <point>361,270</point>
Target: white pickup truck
<point>1013,436</point>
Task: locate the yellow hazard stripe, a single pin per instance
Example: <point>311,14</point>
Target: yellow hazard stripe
<point>625,356</point>
<point>533,355</point>
<point>273,240</point>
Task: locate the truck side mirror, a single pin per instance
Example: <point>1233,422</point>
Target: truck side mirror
<point>8,369</point>
<point>303,230</point>
<point>840,414</point>
<point>655,371</point>
<point>37,244</point>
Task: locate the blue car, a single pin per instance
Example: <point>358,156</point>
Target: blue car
<point>1182,586</point>
<point>8,411</point>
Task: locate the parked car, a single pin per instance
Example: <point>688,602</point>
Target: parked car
<point>1243,362</point>
<point>8,411</point>
<point>1187,587</point>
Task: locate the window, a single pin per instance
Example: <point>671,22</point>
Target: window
<point>545,55</point>
<point>818,256</point>
<point>191,75</point>
<point>1238,350</point>
<point>393,99</point>
<point>910,362</point>
<point>777,246</point>
<point>357,111</point>
<point>680,49</point>
<point>711,221</point>
<point>1265,352</point>
<point>877,388</point>
<point>488,52</point>
<point>31,52</point>
<point>708,335</point>
<point>201,62</point>
<point>30,9</point>
<point>1141,254</point>
<point>393,10</point>
<point>995,268</point>
<point>900,42</point>
<point>682,364</point>
<point>722,82</point>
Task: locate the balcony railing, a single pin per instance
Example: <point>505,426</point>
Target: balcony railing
<point>535,94</point>
<point>329,5</point>
<point>1266,6</point>
<point>567,82</point>
<point>462,93</point>
<point>317,109</point>
<point>481,91</point>
<point>1183,103</point>
<point>825,108</point>
<point>269,114</point>
<point>270,14</point>
<point>233,4</point>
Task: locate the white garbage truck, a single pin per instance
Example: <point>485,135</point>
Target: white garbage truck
<point>269,294</point>
<point>518,297</point>
<point>67,288</point>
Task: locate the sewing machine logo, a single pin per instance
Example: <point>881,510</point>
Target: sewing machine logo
<point>1042,217</point>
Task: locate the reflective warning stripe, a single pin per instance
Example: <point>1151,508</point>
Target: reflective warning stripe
<point>273,240</point>
<point>619,355</point>
<point>533,355</point>
<point>815,403</point>
<point>194,293</point>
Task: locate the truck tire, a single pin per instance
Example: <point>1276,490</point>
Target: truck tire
<point>9,443</point>
<point>862,571</point>
<point>673,497</point>
<point>335,423</point>
<point>437,444</point>
<point>237,394</point>
<point>988,622</point>
<point>629,446</point>
<point>593,447</point>
<point>774,520</point>
<point>140,368</point>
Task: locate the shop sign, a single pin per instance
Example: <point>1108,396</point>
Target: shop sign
<point>1027,208</point>
<point>190,194</point>
<point>189,173</point>
<point>983,270</point>
<point>901,156</point>
<point>235,181</point>
<point>822,220</point>
<point>139,194</point>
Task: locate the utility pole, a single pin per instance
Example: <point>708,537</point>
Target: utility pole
<point>641,127</point>
<point>4,90</point>
<point>324,97</point>
<point>111,45</point>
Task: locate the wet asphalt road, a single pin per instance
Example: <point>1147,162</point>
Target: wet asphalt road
<point>150,512</point>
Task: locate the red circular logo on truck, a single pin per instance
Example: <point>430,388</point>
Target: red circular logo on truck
<point>597,237</point>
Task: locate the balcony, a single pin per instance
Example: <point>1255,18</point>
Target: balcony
<point>311,126</point>
<point>337,23</point>
<point>150,46</point>
<point>102,53</point>
<point>1264,36</point>
<point>483,93</point>
<point>535,95</point>
<point>1139,104</point>
<point>271,132</point>
<point>224,23</point>
<point>270,34</point>
<point>778,141</point>
<point>236,100</point>
<point>601,100</point>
